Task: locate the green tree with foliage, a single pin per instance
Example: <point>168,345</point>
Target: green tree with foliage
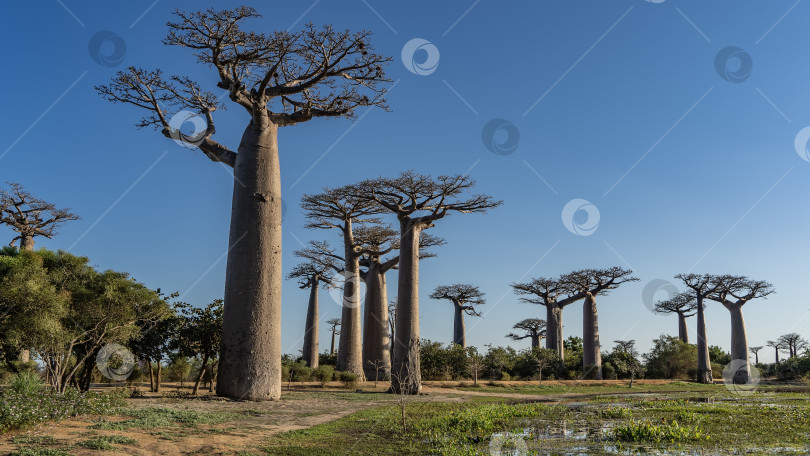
<point>670,357</point>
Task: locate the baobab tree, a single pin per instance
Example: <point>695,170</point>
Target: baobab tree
<point>793,342</point>
<point>683,304</point>
<point>755,351</point>
<point>280,79</point>
<point>334,323</point>
<point>29,216</point>
<point>465,299</point>
<point>777,345</point>
<point>701,286</point>
<point>733,292</point>
<point>311,274</point>
<point>533,328</point>
<point>592,283</point>
<point>418,201</point>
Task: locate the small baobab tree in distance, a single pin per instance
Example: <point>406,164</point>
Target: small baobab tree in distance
<point>592,283</point>
<point>533,328</point>
<point>755,351</point>
<point>777,345</point>
<point>793,342</point>
<point>334,323</point>
<point>280,79</point>
<point>29,216</point>
<point>683,304</point>
<point>418,201</point>
<point>734,292</point>
<point>465,299</point>
<point>701,286</point>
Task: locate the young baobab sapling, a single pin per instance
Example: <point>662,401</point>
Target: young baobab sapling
<point>733,292</point>
<point>701,286</point>
<point>592,283</point>
<point>682,304</point>
<point>793,342</point>
<point>29,216</point>
<point>475,362</point>
<point>311,274</point>
<point>755,351</point>
<point>279,79</point>
<point>465,299</point>
<point>418,201</point>
<point>334,323</point>
<point>533,328</point>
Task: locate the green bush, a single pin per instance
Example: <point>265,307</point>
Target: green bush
<point>324,374</point>
<point>18,410</point>
<point>670,357</point>
<point>349,380</point>
<point>301,372</point>
<point>26,383</point>
<point>608,371</point>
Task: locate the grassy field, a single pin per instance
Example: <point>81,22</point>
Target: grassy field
<point>572,418</point>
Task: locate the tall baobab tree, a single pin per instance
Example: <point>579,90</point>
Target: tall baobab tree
<point>29,216</point>
<point>755,351</point>
<point>339,208</point>
<point>683,304</point>
<point>733,292</point>
<point>533,328</point>
<point>418,201</point>
<point>334,323</point>
<point>280,79</point>
<point>555,294</point>
<point>311,274</point>
<point>701,285</point>
<point>777,345</point>
<point>592,283</point>
<point>465,298</point>
<point>793,342</point>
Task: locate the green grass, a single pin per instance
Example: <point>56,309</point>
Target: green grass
<point>536,388</point>
<point>106,442</point>
<point>157,418</point>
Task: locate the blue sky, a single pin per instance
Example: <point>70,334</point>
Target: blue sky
<point>618,103</point>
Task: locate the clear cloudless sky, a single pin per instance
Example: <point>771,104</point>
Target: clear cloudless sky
<point>709,179</point>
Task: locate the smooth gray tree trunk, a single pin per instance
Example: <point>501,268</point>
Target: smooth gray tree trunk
<point>535,341</point>
<point>332,348</point>
<point>739,344</point>
<point>27,243</point>
<point>250,364</point>
<point>375,330</point>
<point>704,374</point>
<point>406,376</point>
<point>591,355</point>
<point>459,333</point>
<point>311,330</point>
<point>683,330</point>
<point>350,346</point>
<point>554,332</point>
<point>776,349</point>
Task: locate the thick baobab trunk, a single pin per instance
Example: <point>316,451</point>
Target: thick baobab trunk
<point>459,334</point>
<point>406,376</point>
<point>332,348</point>
<point>683,330</point>
<point>250,365</point>
<point>704,369</point>
<point>375,330</point>
<point>591,355</point>
<point>554,331</point>
<point>776,350</point>
<point>535,341</point>
<point>350,346</point>
<point>27,243</point>
<point>25,356</point>
<point>311,334</point>
<point>739,345</point>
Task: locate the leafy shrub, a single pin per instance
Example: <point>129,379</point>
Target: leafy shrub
<point>349,380</point>
<point>645,431</point>
<point>670,357</point>
<point>301,373</point>
<point>26,383</point>
<point>18,411</point>
<point>608,371</point>
<point>324,374</point>
<point>616,412</point>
